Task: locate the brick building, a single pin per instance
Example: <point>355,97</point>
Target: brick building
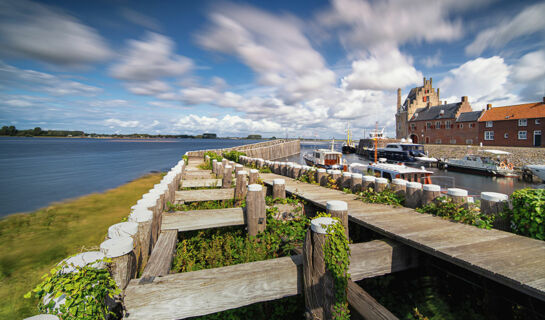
<point>418,97</point>
<point>519,125</point>
<point>453,123</point>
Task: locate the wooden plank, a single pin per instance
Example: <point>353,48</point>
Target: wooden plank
<point>208,291</point>
<point>191,175</point>
<point>161,257</point>
<point>197,183</point>
<point>204,195</point>
<point>365,305</point>
<point>202,219</point>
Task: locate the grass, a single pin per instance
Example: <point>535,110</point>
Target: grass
<point>32,243</point>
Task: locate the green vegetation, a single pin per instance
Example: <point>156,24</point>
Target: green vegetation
<point>85,292</point>
<point>308,177</point>
<point>254,136</point>
<point>385,197</point>
<point>12,131</point>
<point>233,155</point>
<point>528,214</point>
<point>445,208</point>
<point>204,205</point>
<point>185,158</point>
<point>33,243</point>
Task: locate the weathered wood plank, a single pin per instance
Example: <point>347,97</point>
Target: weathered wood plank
<point>365,305</point>
<point>205,195</point>
<point>192,175</point>
<point>161,257</point>
<point>208,291</point>
<point>197,183</point>
<point>202,219</point>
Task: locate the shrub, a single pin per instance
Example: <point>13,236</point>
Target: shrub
<point>528,214</point>
<point>445,208</point>
<point>385,197</point>
<point>233,155</point>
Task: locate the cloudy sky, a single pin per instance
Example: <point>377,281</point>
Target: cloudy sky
<point>297,68</point>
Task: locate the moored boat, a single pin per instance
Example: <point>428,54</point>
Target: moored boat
<point>392,171</point>
<point>348,146</point>
<point>405,152</point>
<point>482,164</point>
<point>324,158</point>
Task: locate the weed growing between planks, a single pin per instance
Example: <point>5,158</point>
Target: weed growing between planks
<point>205,205</point>
<point>384,197</point>
<point>445,208</point>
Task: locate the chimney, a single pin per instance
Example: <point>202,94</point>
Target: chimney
<point>438,95</point>
<point>488,106</point>
<point>543,99</point>
<point>398,98</point>
<point>464,99</point>
<point>424,81</point>
<point>431,79</point>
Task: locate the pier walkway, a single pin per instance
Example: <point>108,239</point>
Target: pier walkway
<point>512,260</point>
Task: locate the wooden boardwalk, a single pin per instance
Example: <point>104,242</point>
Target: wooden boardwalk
<point>202,219</point>
<point>515,261</point>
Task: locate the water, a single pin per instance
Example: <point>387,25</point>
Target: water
<point>37,171</point>
<point>474,184</point>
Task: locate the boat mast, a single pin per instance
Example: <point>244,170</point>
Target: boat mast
<point>347,133</point>
<point>376,140</point>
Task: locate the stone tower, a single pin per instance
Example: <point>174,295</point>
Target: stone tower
<point>418,97</point>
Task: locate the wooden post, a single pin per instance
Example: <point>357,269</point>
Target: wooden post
<point>413,194</point>
<point>283,168</point>
<point>227,179</point>
<point>260,163</point>
<point>127,229</point>
<point>144,219</point>
<point>458,196</point>
<point>345,180</point>
<point>398,186</point>
<point>367,182</point>
<point>276,167</point>
<point>319,285</point>
<point>214,166</point>
<point>254,175</point>
<point>339,209</point>
<point>224,162</point>
<point>381,184</point>
<point>296,171</point>
<point>493,204</point>
<point>289,170</point>
<point>336,176</point>
<point>256,217</point>
<point>219,170</point>
<point>321,177</point>
<point>123,267</point>
<point>241,184</point>
<point>430,192</point>
<point>355,182</point>
<point>232,164</point>
<point>279,189</point>
<point>238,167</point>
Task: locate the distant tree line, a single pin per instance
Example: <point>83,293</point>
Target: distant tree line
<point>12,131</point>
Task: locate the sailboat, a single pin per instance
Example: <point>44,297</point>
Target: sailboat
<point>348,146</point>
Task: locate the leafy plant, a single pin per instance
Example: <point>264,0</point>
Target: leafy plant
<point>308,177</point>
<point>332,183</point>
<point>85,292</point>
<point>528,214</point>
<point>265,170</point>
<point>233,155</point>
<point>385,197</point>
<point>185,158</point>
<point>445,208</point>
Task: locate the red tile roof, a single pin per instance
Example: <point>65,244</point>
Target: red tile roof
<point>520,111</point>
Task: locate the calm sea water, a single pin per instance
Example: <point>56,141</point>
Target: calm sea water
<point>37,171</point>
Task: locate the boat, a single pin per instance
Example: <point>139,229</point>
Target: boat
<point>324,158</point>
<point>536,169</point>
<point>483,164</point>
<point>348,146</point>
<point>405,152</point>
<point>393,171</point>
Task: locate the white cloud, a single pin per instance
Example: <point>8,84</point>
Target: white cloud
<point>273,46</point>
<point>529,72</point>
<point>227,124</point>
<point>432,61</point>
<point>383,69</point>
<point>527,22</point>
<point>148,88</point>
<point>40,32</point>
<point>112,123</point>
<point>18,103</point>
<point>109,103</point>
<point>151,58</point>
<point>163,104</point>
<point>140,19</point>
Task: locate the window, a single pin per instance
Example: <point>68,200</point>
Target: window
<point>506,135</point>
<point>489,124</point>
<point>437,141</point>
<point>523,123</point>
<point>538,121</point>
<point>413,126</point>
<point>522,135</point>
<point>428,125</point>
<point>437,124</point>
<point>447,125</point>
<point>452,141</point>
<point>469,141</point>
<point>462,125</point>
<point>425,99</point>
<point>489,135</point>
<point>471,125</point>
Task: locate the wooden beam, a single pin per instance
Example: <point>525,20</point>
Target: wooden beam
<point>199,183</point>
<point>202,219</point>
<point>190,294</point>
<point>365,305</point>
<point>205,195</point>
<point>161,257</point>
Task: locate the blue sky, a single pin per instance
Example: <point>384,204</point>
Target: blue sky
<point>276,68</point>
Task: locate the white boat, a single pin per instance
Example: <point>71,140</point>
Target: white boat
<point>325,158</point>
<point>537,169</point>
<point>482,164</point>
<point>393,171</point>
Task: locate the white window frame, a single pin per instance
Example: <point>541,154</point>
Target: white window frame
<point>523,122</point>
<point>428,125</point>
<point>447,124</point>
<point>506,135</point>
<point>452,141</point>
<point>538,121</point>
<point>489,135</point>
<point>471,125</point>
<point>413,126</point>
<point>489,124</point>
<point>461,125</point>
<point>437,126</point>
<point>525,135</point>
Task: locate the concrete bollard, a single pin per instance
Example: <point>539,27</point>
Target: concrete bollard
<point>493,204</point>
<point>238,167</point>
<point>381,184</point>
<point>367,182</point>
<point>227,179</point>
<point>345,180</point>
<point>256,217</point>
<point>355,182</point>
<point>144,219</point>
<point>339,209</point>
<point>458,196</point>
<point>296,171</point>
<point>430,193</point>
<point>279,189</point>
<point>321,177</point>
<point>413,194</point>
<point>318,284</point>
<point>253,177</point>
<point>398,186</point>
<point>123,267</point>
<point>241,184</point>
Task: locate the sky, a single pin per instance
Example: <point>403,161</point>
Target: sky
<point>275,68</point>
